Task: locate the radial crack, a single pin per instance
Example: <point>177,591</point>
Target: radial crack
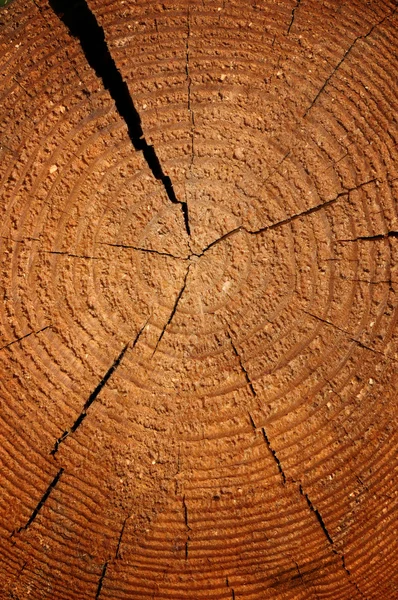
<point>117,553</point>
<point>287,220</point>
<point>349,336</point>
<point>232,589</point>
<point>41,503</point>
<point>345,55</point>
<point>372,238</point>
<point>82,24</point>
<point>318,516</point>
<point>174,310</point>
<point>275,456</point>
<point>310,211</point>
<point>72,255</point>
<point>93,397</point>
<point>24,337</point>
<point>293,15</point>
<point>242,366</point>
<point>101,580</point>
<point>149,250</point>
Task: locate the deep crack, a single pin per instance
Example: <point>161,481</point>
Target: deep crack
<point>372,238</point>
<point>293,16</point>
<point>94,394</point>
<point>82,25</point>
<point>101,580</point>
<point>242,366</point>
<point>275,456</point>
<point>287,220</point>
<point>174,310</point>
<point>41,503</point>
<point>317,515</point>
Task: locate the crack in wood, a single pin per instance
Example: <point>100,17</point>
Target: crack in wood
<point>117,552</point>
<point>93,396</point>
<point>96,392</point>
<point>317,515</point>
<point>101,580</point>
<point>149,250</point>
<point>287,220</point>
<point>41,503</point>
<point>349,336</point>
<point>345,55</point>
<point>174,310</point>
<point>242,366</point>
<point>293,16</point>
<point>372,238</point>
<point>274,455</point>
<point>233,596</point>
<point>23,337</point>
<point>69,255</point>
<point>82,24</point>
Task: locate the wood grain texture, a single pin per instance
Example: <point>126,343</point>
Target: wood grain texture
<point>198,317</point>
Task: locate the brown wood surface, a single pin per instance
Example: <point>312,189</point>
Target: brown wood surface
<point>198,283</point>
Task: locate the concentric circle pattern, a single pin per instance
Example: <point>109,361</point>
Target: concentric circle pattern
<point>198,325</point>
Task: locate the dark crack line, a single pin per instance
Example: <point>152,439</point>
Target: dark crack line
<point>287,220</point>
<point>368,281</point>
<point>242,366</point>
<point>27,239</point>
<point>174,310</point>
<point>72,255</point>
<point>372,238</point>
<point>345,55</point>
<point>293,15</point>
<point>101,580</point>
<point>232,589</point>
<point>149,250</point>
<point>252,423</point>
<point>187,548</point>
<point>119,542</point>
<point>353,583</point>
<point>220,239</point>
<point>349,336</point>
<point>313,209</point>
<point>93,397</point>
<point>83,25</point>
<point>329,538</point>
<point>274,455</point>
<point>317,515</point>
<point>41,503</point>
<point>185,509</point>
<point>24,337</point>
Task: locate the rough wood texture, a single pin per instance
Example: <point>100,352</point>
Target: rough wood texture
<point>198,326</point>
